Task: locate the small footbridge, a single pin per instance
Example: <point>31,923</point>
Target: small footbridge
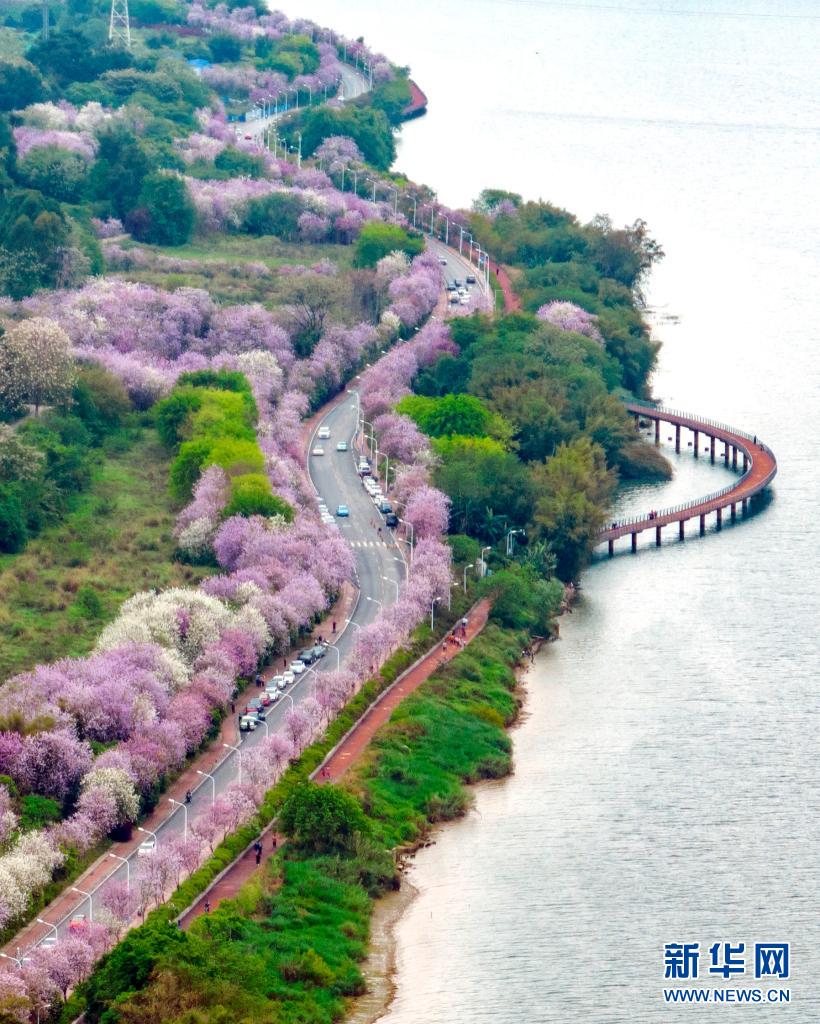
<point>758,468</point>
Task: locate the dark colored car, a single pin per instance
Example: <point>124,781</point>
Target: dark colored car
<point>253,706</point>
<point>307,656</point>
<point>392,520</point>
<point>470,279</point>
<point>319,651</point>
<point>385,507</point>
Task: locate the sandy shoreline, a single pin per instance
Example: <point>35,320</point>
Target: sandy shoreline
<point>379,967</point>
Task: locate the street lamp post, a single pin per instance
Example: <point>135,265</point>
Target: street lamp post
<point>90,897</point>
<point>238,752</point>
<point>338,653</point>
<point>386,469</point>
<point>213,784</point>
<point>511,541</point>
<point>433,604</point>
<point>412,531</point>
<point>176,803</point>
<point>17,959</point>
<point>484,560</point>
<point>414,211</point>
<point>395,584</point>
<point>48,924</point>
<point>374,601</point>
<point>350,622</point>
<point>299,135</point>
<point>292,701</point>
<point>466,567</point>
<point>127,864</point>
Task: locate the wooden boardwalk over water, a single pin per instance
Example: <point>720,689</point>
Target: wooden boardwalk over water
<point>759,468</point>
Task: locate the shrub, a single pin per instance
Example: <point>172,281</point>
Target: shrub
<point>377,240</point>
<point>13,531</point>
<point>251,495</point>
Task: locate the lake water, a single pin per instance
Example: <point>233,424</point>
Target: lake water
<point>666,785</point>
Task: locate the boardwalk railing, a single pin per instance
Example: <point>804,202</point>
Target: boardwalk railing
<point>652,407</point>
<point>672,509</point>
<point>759,469</point>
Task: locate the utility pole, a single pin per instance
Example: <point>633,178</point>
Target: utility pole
<point>119,24</point>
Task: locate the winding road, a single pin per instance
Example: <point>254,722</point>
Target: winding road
<point>380,568</point>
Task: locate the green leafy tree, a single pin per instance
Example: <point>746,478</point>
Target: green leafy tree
<point>323,819</point>
<point>522,599</point>
<point>573,489</point>
<point>482,479</point>
<point>71,56</point>
<point>169,210</point>
<point>13,530</point>
<point>251,495</point>
<point>369,129</point>
<point>224,48</point>
<point>20,84</point>
<point>118,173</point>
<point>277,214</point>
<point>377,240</point>
<point>451,414</point>
<point>57,172</point>
<point>237,164</point>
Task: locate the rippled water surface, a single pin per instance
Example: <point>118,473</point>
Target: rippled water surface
<point>666,783</point>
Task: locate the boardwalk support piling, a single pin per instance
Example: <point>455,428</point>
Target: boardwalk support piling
<point>677,438</point>
<point>734,458</point>
<point>726,454</point>
<point>697,443</point>
<point>658,536</point>
<point>745,462</point>
<point>719,517</point>
<point>681,530</point>
<point>712,448</point>
<point>702,524</point>
<point>734,511</point>
<point>634,542</point>
<point>657,431</point>
<point>612,547</point>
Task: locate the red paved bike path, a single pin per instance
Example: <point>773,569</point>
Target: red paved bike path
<point>343,755</point>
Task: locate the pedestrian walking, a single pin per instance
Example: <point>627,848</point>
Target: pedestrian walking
<point>334,625</point>
<point>233,707</point>
<point>259,856</point>
<point>207,906</point>
<point>284,662</point>
<point>188,796</point>
<point>273,841</point>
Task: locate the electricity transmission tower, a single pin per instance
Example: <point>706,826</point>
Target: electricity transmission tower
<point>119,26</point>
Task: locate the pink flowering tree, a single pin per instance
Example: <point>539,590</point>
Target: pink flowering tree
<point>570,317</point>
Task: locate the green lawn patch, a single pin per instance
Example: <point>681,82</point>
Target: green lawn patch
<point>71,580</point>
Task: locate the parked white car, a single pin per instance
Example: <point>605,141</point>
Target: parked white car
<point>147,847</point>
<point>318,450</point>
<point>288,677</point>
<point>298,667</point>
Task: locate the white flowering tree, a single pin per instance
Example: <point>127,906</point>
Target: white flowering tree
<point>36,365</point>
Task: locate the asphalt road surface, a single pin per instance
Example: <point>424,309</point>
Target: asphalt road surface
<point>380,568</point>
<point>458,267</point>
<point>354,84</point>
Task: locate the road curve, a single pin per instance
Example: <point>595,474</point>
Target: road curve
<point>379,569</point>
<point>760,468</point>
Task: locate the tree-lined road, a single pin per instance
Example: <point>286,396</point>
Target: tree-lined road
<point>337,482</point>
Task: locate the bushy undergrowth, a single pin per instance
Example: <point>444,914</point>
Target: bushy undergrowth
<point>288,948</point>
